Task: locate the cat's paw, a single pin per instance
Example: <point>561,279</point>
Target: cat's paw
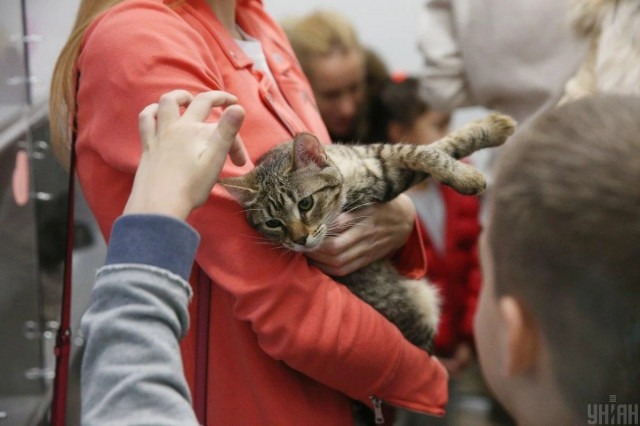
<point>462,177</point>
<point>498,127</point>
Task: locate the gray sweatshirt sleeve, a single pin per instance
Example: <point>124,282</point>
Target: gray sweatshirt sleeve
<point>132,371</point>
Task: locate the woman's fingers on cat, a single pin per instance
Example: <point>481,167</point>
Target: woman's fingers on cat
<point>202,103</point>
<point>338,269</point>
<point>147,125</point>
<point>344,253</point>
<point>169,107</point>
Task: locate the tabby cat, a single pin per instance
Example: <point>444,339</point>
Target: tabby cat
<point>298,189</point>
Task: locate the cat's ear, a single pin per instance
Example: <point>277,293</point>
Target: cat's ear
<point>307,149</point>
<point>242,188</point>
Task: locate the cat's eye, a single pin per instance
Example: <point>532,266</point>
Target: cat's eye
<point>305,204</point>
<point>273,223</point>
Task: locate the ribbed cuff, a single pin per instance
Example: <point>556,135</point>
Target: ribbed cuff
<point>156,240</point>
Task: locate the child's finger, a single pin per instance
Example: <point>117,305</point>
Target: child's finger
<point>147,124</point>
<point>226,133</point>
<point>169,107</point>
<point>200,107</point>
<point>238,152</point>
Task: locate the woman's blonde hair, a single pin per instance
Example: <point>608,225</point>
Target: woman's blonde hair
<point>62,98</point>
<point>319,34</point>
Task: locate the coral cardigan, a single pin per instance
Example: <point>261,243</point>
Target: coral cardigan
<point>287,343</point>
<point>455,270</point>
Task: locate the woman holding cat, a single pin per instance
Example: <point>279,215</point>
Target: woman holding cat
<point>287,344</point>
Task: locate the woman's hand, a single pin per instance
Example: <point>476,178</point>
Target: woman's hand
<point>462,357</point>
<point>365,236</point>
<point>182,155</point>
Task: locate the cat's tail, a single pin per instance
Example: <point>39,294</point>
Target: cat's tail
<point>490,131</point>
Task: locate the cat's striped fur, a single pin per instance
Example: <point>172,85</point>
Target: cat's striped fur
<point>298,189</point>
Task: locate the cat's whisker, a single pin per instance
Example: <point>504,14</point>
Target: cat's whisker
<point>355,220</point>
<point>285,252</point>
<point>349,206</point>
<point>266,243</point>
<point>357,207</point>
<point>253,237</point>
<point>331,234</point>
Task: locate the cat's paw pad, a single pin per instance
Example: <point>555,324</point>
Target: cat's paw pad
<point>498,127</point>
<point>466,180</point>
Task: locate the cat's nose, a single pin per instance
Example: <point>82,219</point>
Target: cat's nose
<point>301,241</point>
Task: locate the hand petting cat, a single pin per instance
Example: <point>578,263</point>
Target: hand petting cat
<point>182,155</point>
<point>364,236</point>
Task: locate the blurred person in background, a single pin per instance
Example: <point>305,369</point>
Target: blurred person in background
<point>612,64</point>
<point>510,56</point>
<point>345,76</point>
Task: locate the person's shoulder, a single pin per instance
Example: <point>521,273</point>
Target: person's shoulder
<point>139,27</point>
<point>135,21</point>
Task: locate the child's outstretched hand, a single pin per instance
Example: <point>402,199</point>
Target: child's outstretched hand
<point>182,155</point>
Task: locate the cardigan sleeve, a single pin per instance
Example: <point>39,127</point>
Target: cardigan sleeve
<point>443,82</point>
<point>299,315</point>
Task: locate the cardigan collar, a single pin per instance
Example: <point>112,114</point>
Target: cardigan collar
<point>211,22</point>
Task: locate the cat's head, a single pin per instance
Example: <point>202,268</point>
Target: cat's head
<point>292,195</point>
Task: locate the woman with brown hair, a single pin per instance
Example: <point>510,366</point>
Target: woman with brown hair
<point>345,76</point>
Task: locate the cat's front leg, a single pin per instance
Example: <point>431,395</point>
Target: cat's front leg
<point>445,169</point>
<point>490,131</point>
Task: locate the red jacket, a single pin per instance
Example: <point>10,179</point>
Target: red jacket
<point>287,343</point>
<point>455,270</point>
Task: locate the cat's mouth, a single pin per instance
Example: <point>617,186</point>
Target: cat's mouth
<point>309,246</point>
<point>308,242</point>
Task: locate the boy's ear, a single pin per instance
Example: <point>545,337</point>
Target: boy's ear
<point>523,337</point>
<point>243,188</point>
<point>307,149</point>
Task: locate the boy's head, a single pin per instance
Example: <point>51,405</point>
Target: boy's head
<point>558,323</point>
<point>407,116</point>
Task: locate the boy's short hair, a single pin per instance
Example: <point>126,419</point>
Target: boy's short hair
<point>565,240</point>
<point>402,101</point>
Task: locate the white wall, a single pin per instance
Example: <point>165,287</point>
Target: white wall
<point>51,22</point>
<point>389,27</point>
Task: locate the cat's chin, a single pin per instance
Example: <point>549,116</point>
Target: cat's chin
<point>303,249</point>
